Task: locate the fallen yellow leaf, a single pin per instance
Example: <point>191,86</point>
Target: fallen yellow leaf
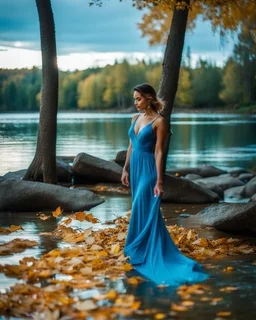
<point>57,212</point>
<point>228,269</point>
<point>176,307</point>
<point>228,289</point>
<point>115,248</point>
<point>223,314</point>
<point>159,316</point>
<point>187,303</point>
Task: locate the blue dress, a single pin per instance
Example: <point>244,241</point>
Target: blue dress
<point>149,246</point>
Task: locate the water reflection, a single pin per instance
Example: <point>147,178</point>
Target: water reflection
<point>221,140</point>
<point>240,302</point>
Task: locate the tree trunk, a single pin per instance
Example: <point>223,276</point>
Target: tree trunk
<point>171,69</point>
<point>43,166</point>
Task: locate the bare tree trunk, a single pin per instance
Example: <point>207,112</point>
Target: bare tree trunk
<point>43,166</point>
<point>171,69</point>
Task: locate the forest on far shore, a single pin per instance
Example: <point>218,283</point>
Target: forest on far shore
<point>111,87</point>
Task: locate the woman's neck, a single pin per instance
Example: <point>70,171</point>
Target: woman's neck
<point>149,112</point>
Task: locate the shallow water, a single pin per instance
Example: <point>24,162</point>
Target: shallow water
<point>241,302</point>
<point>221,140</point>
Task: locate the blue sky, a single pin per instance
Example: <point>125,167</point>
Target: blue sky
<point>89,36</point>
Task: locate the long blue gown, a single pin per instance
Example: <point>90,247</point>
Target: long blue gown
<point>149,246</point>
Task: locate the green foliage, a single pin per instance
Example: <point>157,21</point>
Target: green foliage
<point>184,94</point>
<point>19,89</point>
<point>112,86</point>
<point>206,85</point>
<point>232,92</point>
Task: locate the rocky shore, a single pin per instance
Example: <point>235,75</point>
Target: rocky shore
<point>198,185</point>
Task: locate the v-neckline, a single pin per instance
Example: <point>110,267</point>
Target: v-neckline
<point>143,127</point>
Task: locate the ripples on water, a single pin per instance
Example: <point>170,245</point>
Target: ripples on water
<point>241,302</point>
<point>223,140</point>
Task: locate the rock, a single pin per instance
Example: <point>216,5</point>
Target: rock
<point>192,176</point>
<point>18,175</point>
<point>225,175</point>
<point>67,159</point>
<point>211,186</point>
<point>223,182</point>
<point>250,188</point>
<point>237,171</point>
<point>246,191</point>
<point>121,157</point>
<point>229,217</point>
<point>21,195</point>
<point>182,171</point>
<point>93,169</point>
<point>64,172</point>
<point>204,171</point>
<point>210,171</point>
<point>253,198</point>
<point>234,193</point>
<point>245,177</point>
<point>179,190</point>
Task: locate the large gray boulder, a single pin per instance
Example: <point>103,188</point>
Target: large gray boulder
<point>179,190</point>
<point>229,217</point>
<point>223,182</point>
<point>246,191</point>
<point>21,195</point>
<point>204,171</point>
<point>253,198</point>
<point>93,169</point>
<point>64,172</point>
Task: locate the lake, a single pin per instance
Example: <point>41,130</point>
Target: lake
<point>222,140</point>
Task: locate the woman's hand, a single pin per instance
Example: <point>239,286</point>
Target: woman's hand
<point>158,190</point>
<point>125,178</point>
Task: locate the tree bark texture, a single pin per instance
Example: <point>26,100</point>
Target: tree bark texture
<point>171,68</point>
<point>43,166</point>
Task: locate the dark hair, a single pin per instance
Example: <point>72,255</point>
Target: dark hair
<point>147,91</point>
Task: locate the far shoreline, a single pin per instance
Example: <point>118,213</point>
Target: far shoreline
<point>178,110</point>
<point>131,110</point>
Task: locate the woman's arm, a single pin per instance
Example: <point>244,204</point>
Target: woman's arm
<point>160,138</point>
<point>126,168</point>
<point>125,174</point>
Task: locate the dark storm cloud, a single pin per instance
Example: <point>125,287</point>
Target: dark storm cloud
<point>79,27</point>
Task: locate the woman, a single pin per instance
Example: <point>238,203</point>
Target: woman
<point>149,246</point>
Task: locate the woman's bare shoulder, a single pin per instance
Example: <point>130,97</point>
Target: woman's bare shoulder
<point>160,119</point>
<point>160,122</point>
<point>135,116</point>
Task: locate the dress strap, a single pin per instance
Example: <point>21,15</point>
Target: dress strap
<point>155,118</point>
<point>136,119</point>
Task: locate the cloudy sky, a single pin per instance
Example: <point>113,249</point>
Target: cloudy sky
<point>90,36</point>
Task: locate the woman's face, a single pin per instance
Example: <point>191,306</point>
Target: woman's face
<point>140,102</point>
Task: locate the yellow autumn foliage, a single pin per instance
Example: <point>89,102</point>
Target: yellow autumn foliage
<point>225,16</point>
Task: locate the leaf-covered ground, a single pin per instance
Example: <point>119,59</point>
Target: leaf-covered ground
<point>55,285</point>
